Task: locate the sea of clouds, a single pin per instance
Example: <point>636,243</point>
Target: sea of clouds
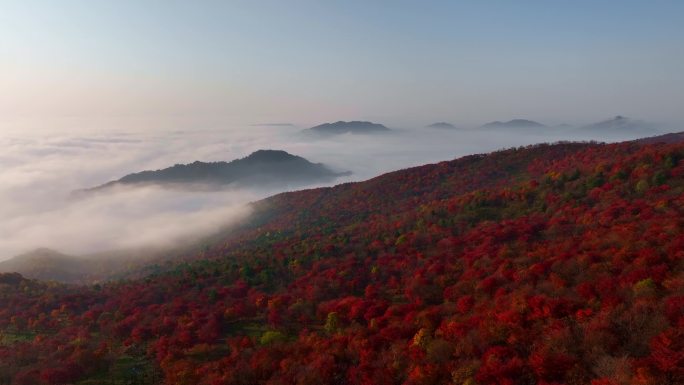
<point>39,170</point>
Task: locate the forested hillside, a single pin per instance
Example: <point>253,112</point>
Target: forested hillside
<point>550,264</point>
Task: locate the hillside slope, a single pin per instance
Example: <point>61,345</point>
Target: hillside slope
<point>551,264</point>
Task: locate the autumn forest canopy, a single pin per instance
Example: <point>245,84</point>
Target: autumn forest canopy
<point>341,192</point>
<point>548,264</point>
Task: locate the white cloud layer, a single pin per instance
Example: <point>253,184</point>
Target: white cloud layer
<point>38,171</point>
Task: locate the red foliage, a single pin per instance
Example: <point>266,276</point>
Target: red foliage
<point>547,265</point>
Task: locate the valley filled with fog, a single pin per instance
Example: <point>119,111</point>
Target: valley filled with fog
<point>40,172</point>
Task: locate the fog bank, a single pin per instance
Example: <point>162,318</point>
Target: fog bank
<point>38,172</point>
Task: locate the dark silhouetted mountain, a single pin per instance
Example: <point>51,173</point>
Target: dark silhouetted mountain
<point>353,127</point>
<point>515,123</point>
<point>262,168</point>
<point>620,124</point>
<point>442,125</point>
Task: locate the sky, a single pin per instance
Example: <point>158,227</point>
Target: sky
<point>198,64</point>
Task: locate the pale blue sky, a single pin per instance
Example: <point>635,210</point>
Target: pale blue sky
<point>399,62</point>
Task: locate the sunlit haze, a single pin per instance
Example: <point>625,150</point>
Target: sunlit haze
<point>179,64</point>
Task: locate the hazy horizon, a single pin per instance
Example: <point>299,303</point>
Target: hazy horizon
<point>156,64</point>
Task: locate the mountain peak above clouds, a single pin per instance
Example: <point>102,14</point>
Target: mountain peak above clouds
<point>259,169</point>
<point>441,125</point>
<point>515,123</point>
<point>351,127</point>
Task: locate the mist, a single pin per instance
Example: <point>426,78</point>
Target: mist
<point>39,172</point>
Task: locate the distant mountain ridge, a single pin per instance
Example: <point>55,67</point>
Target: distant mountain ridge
<point>620,123</point>
<point>342,127</point>
<point>515,123</point>
<point>441,125</point>
<point>261,168</point>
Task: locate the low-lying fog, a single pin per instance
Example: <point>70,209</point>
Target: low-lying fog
<point>38,172</point>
